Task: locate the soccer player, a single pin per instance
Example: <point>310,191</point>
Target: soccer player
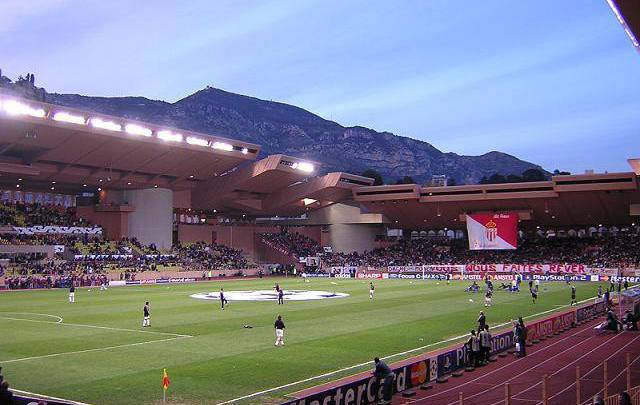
<point>72,293</point>
<point>223,300</point>
<point>372,290</point>
<point>534,295</point>
<point>573,295</point>
<point>146,315</point>
<point>281,297</point>
<point>537,284</point>
<point>279,327</point>
<point>488,301</point>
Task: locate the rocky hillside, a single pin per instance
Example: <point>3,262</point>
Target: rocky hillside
<point>283,128</point>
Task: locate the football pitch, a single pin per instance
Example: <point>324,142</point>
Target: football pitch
<point>96,351</point>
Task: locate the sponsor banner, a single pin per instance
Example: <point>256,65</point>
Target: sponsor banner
<point>503,277</point>
<point>102,257</point>
<point>117,283</point>
<point>588,311</point>
<point>343,269</point>
<point>630,279</point>
<point>159,256</point>
<point>342,275</point>
<point>315,275</point>
<point>453,360</point>
<point>371,275</point>
<point>54,229</point>
<point>367,390</point>
<point>552,277</point>
<point>58,248</point>
<point>132,282</point>
<point>502,342</point>
<point>432,268</point>
<point>492,231</point>
<point>548,326</point>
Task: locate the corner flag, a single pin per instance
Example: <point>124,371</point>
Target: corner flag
<point>165,379</point>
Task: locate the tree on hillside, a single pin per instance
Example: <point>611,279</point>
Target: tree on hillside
<point>512,178</point>
<point>405,180</point>
<point>533,175</point>
<point>497,178</point>
<point>372,174</point>
<point>560,173</point>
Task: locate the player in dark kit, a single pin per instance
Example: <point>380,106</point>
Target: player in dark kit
<point>146,315</point>
<point>534,295</point>
<point>223,300</point>
<point>573,295</point>
<point>281,297</point>
<point>279,328</point>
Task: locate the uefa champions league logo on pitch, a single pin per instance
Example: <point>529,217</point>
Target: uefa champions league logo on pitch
<point>270,295</point>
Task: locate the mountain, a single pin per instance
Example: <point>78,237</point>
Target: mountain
<point>284,128</point>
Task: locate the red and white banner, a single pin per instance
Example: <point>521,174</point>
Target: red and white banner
<point>493,231</point>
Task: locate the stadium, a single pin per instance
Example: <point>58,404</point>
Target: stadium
<point>144,263</point>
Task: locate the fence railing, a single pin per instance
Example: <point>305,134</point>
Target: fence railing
<point>604,392</point>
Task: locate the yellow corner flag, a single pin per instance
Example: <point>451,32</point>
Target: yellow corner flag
<point>165,379</point>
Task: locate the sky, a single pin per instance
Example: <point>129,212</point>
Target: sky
<point>552,82</point>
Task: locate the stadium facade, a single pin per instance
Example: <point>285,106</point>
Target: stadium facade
<point>161,185</point>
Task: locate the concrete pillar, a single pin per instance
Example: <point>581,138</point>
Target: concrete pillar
<point>152,220</point>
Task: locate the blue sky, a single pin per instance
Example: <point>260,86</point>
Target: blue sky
<point>553,82</point>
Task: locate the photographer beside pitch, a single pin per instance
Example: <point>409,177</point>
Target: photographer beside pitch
<point>383,372</point>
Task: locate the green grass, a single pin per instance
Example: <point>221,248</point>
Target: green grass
<point>223,360</point>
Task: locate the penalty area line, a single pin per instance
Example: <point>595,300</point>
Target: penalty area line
<point>330,373</point>
<point>80,325</point>
<point>97,349</point>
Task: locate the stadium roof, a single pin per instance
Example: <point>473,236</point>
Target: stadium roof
<point>564,201</point>
<point>45,146</point>
<point>628,14</point>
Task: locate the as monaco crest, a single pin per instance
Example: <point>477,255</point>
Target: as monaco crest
<point>491,231</point>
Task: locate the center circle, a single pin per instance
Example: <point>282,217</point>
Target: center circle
<point>270,295</point>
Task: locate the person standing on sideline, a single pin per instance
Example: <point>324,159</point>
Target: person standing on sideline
<point>573,295</point>
<point>626,285</point>
<point>223,300</point>
<point>599,291</point>
<point>473,345</point>
<point>607,297</point>
<point>279,327</point>
<point>372,289</point>
<point>146,315</point>
<point>482,320</point>
<point>281,297</point>
<point>485,344</point>
<point>384,373</point>
<point>72,293</point>
<point>521,337</point>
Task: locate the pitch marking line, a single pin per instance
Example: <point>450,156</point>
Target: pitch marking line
<point>59,318</point>
<point>47,397</point>
<point>80,325</point>
<point>452,339</point>
<point>98,349</point>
